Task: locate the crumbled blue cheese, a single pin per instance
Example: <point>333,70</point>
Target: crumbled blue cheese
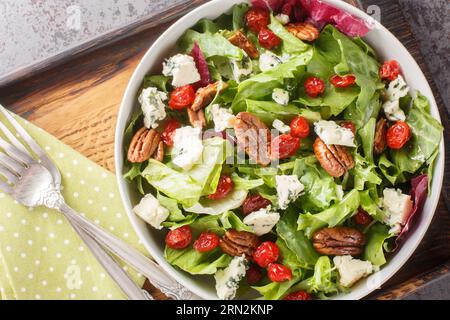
<point>339,192</point>
<point>392,111</point>
<point>151,211</point>
<point>153,107</point>
<point>183,70</point>
<point>332,133</point>
<point>262,221</point>
<point>269,60</point>
<point>397,89</point>
<point>351,270</point>
<point>241,68</point>
<point>187,147</point>
<point>282,18</point>
<point>227,280</point>
<point>280,96</point>
<point>223,118</point>
<point>397,206</point>
<point>280,126</point>
<point>289,188</point>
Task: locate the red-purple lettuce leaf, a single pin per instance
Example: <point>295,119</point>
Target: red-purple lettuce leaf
<point>273,5</point>
<point>320,13</point>
<point>202,66</point>
<point>419,192</point>
<point>294,9</point>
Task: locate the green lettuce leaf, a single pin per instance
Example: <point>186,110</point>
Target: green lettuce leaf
<point>158,81</point>
<point>214,207</point>
<point>374,250</point>
<point>195,262</point>
<point>176,214</point>
<point>426,133</point>
<point>360,115</point>
<point>364,172</point>
<point>368,200</point>
<point>331,217</point>
<point>267,174</point>
<point>207,223</point>
<point>390,171</point>
<point>323,282</point>
<point>238,12</point>
<point>176,185</point>
<point>277,290</point>
<point>207,173</point>
<point>296,240</point>
<point>268,111</point>
<point>188,186</point>
<point>349,57</point>
<point>290,44</point>
<point>334,100</point>
<point>261,85</point>
<point>230,220</point>
<point>288,257</point>
<point>245,184</point>
<point>320,188</point>
<point>367,135</point>
<point>206,26</point>
<point>211,44</point>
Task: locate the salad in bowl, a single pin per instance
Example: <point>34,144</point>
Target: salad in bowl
<point>278,154</point>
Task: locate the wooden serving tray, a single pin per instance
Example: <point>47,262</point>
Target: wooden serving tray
<point>76,98</point>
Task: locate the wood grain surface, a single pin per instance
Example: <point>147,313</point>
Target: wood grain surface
<point>78,101</point>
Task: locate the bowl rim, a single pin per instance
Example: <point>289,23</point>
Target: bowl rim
<point>188,281</point>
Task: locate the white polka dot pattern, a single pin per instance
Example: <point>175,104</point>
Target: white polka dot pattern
<point>41,256</point>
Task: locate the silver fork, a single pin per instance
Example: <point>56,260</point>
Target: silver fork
<point>34,181</point>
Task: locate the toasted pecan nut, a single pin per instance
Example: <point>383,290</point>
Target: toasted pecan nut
<point>205,95</point>
<point>196,118</point>
<point>339,241</point>
<point>240,40</point>
<point>235,243</point>
<point>327,160</point>
<point>379,143</point>
<point>159,154</point>
<point>342,155</point>
<point>253,137</point>
<point>143,145</point>
<point>303,31</point>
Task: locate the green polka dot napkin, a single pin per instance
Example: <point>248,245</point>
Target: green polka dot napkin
<point>41,256</point>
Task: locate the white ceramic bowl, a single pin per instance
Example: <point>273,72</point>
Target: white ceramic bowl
<point>385,44</point>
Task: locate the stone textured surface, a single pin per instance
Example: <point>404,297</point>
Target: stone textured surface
<point>438,289</point>
<point>431,24</point>
<point>32,30</point>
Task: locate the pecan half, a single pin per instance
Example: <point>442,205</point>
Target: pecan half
<point>196,118</point>
<point>343,156</point>
<point>327,160</point>
<point>379,143</point>
<point>339,241</point>
<point>336,160</point>
<point>235,243</point>
<point>143,145</point>
<point>159,154</point>
<point>205,95</point>
<point>253,137</point>
<point>303,31</point>
<point>240,40</point>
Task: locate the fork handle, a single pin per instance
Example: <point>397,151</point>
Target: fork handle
<point>152,271</point>
<point>129,288</point>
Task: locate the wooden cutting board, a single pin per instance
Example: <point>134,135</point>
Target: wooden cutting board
<point>77,97</point>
